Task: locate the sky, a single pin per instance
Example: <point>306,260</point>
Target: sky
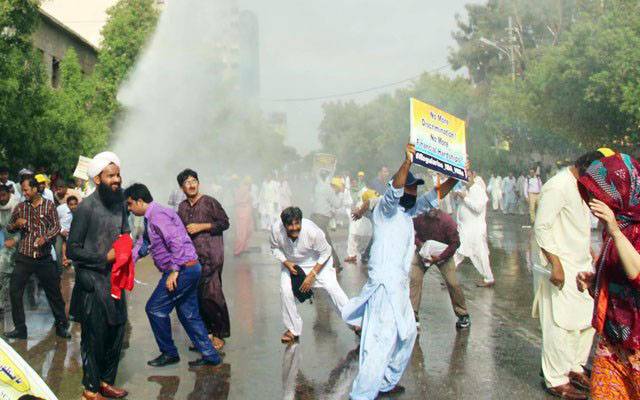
<point>311,49</point>
<point>322,48</point>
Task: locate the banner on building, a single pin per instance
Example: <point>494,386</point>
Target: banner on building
<point>17,379</point>
<point>440,140</point>
<point>81,168</point>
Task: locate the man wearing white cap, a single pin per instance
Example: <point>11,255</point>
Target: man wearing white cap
<point>99,220</point>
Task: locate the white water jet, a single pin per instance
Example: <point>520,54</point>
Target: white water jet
<point>181,101</point>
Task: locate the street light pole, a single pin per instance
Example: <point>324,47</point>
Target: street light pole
<point>512,50</point>
<point>510,53</point>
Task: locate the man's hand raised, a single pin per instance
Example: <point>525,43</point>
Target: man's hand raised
<point>410,153</point>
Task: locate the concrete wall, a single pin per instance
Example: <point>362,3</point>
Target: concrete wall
<point>53,39</point>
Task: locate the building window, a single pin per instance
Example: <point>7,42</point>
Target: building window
<point>55,72</point>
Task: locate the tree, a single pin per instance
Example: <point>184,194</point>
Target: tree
<point>24,96</point>
<point>364,136</point>
<point>130,25</point>
<point>535,25</point>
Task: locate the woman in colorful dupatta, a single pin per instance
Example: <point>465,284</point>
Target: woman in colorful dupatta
<point>612,186</point>
<point>244,217</point>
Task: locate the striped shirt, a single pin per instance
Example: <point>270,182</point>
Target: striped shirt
<point>42,221</point>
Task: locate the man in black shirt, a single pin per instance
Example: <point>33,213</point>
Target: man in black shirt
<point>97,223</point>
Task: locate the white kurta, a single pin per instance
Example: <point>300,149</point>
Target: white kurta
<point>311,248</point>
<point>494,188</point>
<point>285,195</point>
<point>359,230</point>
<point>383,306</point>
<point>268,207</point>
<point>521,206</point>
<point>509,194</point>
<point>472,227</point>
<point>563,228</point>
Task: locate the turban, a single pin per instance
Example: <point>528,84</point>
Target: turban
<point>41,178</point>
<point>605,151</point>
<point>100,162</point>
<point>337,182</point>
<point>361,173</point>
<point>369,195</point>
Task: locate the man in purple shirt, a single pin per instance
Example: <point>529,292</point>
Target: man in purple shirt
<point>166,238</point>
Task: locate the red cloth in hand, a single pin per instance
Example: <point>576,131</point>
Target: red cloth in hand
<point>123,269</point>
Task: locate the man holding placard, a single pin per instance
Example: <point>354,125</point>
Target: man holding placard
<point>439,139</point>
<point>383,306</point>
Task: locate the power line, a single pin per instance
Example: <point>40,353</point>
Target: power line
<point>371,89</point>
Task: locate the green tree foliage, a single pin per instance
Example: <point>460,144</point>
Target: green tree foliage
<point>587,88</point>
<point>535,25</point>
<point>577,87</point>
<point>130,25</point>
<point>24,96</point>
<point>365,136</point>
<point>40,125</point>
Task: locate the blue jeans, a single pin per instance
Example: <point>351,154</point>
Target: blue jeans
<point>185,299</point>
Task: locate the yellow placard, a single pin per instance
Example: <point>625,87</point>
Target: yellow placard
<point>440,139</point>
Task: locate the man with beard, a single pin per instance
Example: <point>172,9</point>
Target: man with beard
<point>206,220</point>
<point>388,323</point>
<point>472,227</point>
<point>36,220</point>
<point>167,240</point>
<point>98,221</point>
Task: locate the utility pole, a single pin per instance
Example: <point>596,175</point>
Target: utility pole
<point>512,50</point>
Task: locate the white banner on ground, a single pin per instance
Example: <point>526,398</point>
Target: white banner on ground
<point>18,379</point>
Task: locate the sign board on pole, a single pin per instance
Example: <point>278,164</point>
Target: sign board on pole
<point>323,161</point>
<point>82,168</point>
<point>440,140</point>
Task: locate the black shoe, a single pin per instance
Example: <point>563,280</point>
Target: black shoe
<point>202,362</point>
<point>163,360</point>
<point>397,390</point>
<point>464,322</point>
<point>16,334</point>
<point>62,330</point>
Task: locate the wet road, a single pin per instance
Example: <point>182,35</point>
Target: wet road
<point>498,358</point>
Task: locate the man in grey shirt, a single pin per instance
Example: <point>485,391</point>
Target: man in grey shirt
<point>326,200</point>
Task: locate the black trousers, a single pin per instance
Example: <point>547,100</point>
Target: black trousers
<point>100,347</point>
<point>46,271</point>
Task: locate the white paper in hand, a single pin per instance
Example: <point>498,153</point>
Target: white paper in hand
<point>432,248</point>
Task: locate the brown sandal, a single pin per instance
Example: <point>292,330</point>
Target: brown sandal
<point>218,343</point>
<point>289,337</point>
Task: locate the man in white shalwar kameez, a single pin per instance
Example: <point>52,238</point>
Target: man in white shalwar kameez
<point>472,227</point>
<point>509,196</point>
<point>494,189</point>
<point>563,232</point>
<point>521,203</point>
<point>297,241</point>
<point>359,228</point>
<point>269,203</point>
<point>383,306</point>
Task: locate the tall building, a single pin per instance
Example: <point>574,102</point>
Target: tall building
<point>249,57</point>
